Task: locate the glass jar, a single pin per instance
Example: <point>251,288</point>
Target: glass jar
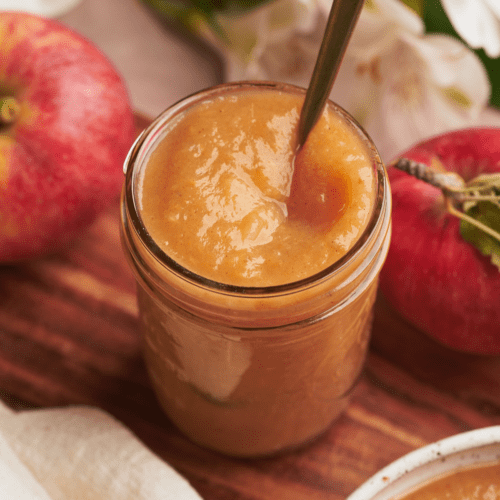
<point>252,371</point>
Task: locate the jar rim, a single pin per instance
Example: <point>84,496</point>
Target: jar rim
<point>147,139</point>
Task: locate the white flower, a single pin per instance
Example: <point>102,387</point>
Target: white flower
<point>399,83</point>
<point>477,22</point>
<point>278,40</point>
<point>404,86</point>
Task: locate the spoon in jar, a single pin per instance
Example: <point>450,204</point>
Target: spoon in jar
<point>318,197</point>
<point>340,24</point>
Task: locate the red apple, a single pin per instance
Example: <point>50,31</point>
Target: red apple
<point>432,276</point>
<point>63,135</point>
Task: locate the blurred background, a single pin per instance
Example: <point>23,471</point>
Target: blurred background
<point>159,65</point>
<point>413,68</point>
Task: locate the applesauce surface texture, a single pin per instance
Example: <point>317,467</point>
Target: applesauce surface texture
<point>220,197</point>
<point>479,483</point>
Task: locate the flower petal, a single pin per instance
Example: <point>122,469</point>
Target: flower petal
<point>494,5</point>
<point>451,64</point>
<point>285,17</point>
<point>415,101</point>
<point>396,125</point>
<point>400,14</point>
<point>475,23</point>
<point>356,87</point>
<point>380,22</point>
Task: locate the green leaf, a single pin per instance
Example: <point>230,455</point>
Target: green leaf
<point>416,5</point>
<point>208,8</point>
<point>436,21</point>
<point>489,214</point>
<point>189,12</point>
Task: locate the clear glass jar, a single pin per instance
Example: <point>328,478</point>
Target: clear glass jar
<point>253,371</point>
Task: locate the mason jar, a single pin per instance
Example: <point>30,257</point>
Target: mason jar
<point>251,371</point>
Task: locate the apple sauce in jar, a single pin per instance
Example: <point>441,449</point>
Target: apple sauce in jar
<point>257,267</point>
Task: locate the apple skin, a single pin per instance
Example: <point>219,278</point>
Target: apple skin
<point>61,160</point>
<point>435,279</point>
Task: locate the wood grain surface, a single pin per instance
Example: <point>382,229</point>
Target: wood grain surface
<point>69,335</point>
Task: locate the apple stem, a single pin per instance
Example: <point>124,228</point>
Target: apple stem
<point>9,110</point>
<point>444,181</point>
<point>485,187</point>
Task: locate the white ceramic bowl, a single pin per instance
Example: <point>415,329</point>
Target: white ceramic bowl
<point>420,466</point>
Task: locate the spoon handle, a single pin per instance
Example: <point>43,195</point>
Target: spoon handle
<point>340,24</point>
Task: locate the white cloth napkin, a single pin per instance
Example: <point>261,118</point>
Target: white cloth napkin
<point>80,453</point>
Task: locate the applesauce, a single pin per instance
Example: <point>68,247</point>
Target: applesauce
<point>479,483</point>
<point>257,268</point>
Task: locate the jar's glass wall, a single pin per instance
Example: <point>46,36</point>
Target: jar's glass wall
<point>253,372</point>
<point>254,392</point>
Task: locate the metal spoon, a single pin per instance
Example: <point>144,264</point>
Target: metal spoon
<point>341,22</point>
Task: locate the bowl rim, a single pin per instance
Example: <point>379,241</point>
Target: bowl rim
<point>462,442</point>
